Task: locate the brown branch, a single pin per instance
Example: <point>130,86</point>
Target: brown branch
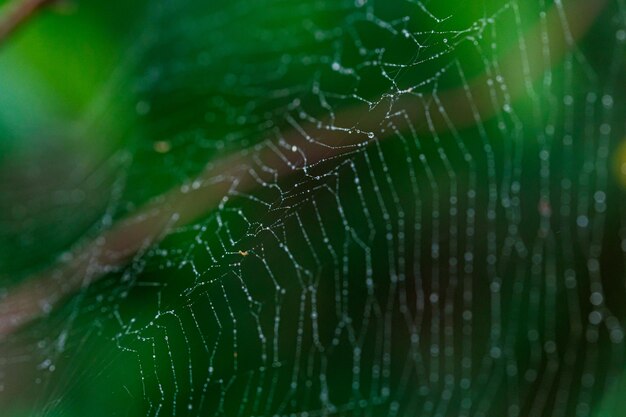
<point>38,295</point>
<point>17,14</point>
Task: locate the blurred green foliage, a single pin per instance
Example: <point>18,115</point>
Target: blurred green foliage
<point>97,90</point>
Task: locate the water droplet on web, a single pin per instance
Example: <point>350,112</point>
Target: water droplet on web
<point>607,100</point>
<point>596,298</point>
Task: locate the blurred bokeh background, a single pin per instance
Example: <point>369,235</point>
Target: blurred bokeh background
<point>424,215</point>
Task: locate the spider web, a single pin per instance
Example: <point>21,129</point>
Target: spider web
<point>380,249</point>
